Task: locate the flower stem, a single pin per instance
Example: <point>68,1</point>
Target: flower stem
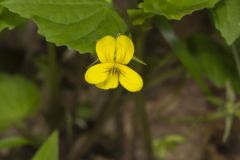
<point>236,58</point>
<point>140,101</point>
<point>52,79</point>
<point>84,143</point>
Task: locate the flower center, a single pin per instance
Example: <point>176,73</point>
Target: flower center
<point>114,71</point>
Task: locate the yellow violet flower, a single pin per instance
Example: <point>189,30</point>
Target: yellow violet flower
<point>114,54</point>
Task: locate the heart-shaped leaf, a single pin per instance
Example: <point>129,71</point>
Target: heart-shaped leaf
<point>75,23</point>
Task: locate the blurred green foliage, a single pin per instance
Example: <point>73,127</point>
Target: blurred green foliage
<point>12,142</point>
<point>49,150</point>
<point>84,112</point>
<point>213,61</point>
<point>163,145</point>
<point>203,57</point>
<point>9,20</point>
<point>228,108</point>
<point>19,98</point>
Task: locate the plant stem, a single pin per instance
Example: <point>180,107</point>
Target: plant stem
<point>52,80</point>
<point>236,58</point>
<point>140,101</point>
<point>84,143</point>
<point>145,128</point>
<point>181,51</point>
<point>228,127</point>
<point>53,74</point>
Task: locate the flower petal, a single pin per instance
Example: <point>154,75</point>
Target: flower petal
<point>130,79</point>
<point>105,49</point>
<point>111,82</point>
<point>98,73</point>
<point>125,49</point>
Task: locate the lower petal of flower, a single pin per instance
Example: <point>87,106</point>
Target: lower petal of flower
<point>111,82</point>
<point>98,73</point>
<point>129,79</point>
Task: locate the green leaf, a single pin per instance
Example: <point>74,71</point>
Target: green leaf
<point>215,101</point>
<point>181,50</point>
<point>75,23</point>
<point>168,143</point>
<point>203,58</point>
<point>12,142</point>
<point>214,61</point>
<point>176,9</point>
<point>9,20</point>
<point>49,150</point>
<point>19,98</point>
<point>139,61</point>
<point>138,16</point>
<point>227,19</point>
<point>230,94</point>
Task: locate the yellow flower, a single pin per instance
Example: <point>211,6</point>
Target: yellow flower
<point>114,55</point>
